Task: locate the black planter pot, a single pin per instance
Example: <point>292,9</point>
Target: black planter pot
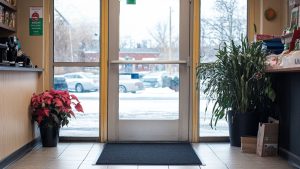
<point>242,124</point>
<point>49,135</point>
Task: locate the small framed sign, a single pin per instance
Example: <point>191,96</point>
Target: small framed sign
<point>36,21</point>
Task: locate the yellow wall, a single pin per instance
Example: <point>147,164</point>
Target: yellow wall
<point>33,46</point>
<point>275,26</point>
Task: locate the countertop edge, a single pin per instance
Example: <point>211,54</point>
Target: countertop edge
<point>20,69</point>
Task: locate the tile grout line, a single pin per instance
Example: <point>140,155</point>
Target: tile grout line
<point>86,156</point>
<point>216,155</point>
<point>197,153</point>
<point>63,150</point>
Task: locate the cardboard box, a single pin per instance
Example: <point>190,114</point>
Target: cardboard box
<point>248,144</point>
<point>267,139</point>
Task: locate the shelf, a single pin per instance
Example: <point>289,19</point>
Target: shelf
<point>3,26</point>
<point>7,5</point>
<point>283,70</point>
<point>20,69</point>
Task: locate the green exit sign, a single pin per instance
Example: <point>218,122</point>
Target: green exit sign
<point>131,2</point>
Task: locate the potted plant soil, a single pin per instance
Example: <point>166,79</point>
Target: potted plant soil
<point>238,86</point>
<point>52,110</point>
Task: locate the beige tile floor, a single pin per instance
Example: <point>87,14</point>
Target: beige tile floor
<point>84,156</point>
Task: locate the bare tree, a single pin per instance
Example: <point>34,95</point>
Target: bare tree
<point>161,37</point>
<point>71,41</point>
<point>229,24</point>
<point>62,38</point>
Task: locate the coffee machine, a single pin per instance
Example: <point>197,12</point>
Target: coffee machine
<point>3,54</point>
<point>8,50</point>
<point>12,45</point>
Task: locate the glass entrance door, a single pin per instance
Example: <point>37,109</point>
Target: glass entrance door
<point>148,70</point>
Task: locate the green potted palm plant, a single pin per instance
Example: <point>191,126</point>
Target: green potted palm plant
<point>238,86</point>
<point>52,110</point>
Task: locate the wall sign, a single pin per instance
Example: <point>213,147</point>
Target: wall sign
<point>36,21</point>
<point>131,2</point>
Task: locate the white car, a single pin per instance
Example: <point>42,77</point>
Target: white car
<point>129,84</point>
<point>82,81</point>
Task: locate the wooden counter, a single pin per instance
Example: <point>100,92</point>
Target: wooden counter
<point>16,88</point>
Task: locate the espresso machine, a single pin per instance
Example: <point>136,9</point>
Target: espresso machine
<point>8,50</point>
<point>3,54</point>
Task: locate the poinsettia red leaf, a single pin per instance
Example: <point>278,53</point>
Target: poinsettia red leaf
<point>78,107</point>
<point>58,102</point>
<point>39,119</point>
<point>47,94</point>
<point>54,105</point>
<point>74,97</point>
<point>72,113</point>
<point>46,112</point>
<point>40,112</point>
<point>48,101</point>
<point>68,102</point>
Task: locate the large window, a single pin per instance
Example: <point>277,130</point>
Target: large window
<point>221,21</point>
<point>76,61</point>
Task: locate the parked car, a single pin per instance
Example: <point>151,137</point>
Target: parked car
<point>174,82</point>
<point>130,82</point>
<point>59,82</point>
<point>161,79</point>
<point>153,80</point>
<point>82,81</point>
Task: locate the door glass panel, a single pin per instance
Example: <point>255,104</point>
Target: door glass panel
<point>149,30</point>
<point>76,30</point>
<point>83,82</point>
<point>221,21</point>
<point>148,92</point>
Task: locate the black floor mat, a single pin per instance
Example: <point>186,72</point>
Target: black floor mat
<point>148,154</point>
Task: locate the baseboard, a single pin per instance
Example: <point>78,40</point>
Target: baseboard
<point>20,152</point>
<point>215,139</point>
<point>78,139</point>
<point>292,158</point>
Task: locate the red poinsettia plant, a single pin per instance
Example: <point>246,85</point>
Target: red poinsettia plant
<point>54,107</point>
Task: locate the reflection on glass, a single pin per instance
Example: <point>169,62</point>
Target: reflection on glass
<point>84,83</point>
<point>76,30</point>
<point>149,92</point>
<point>220,21</point>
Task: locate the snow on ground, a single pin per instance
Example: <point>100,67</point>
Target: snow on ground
<point>151,103</point>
